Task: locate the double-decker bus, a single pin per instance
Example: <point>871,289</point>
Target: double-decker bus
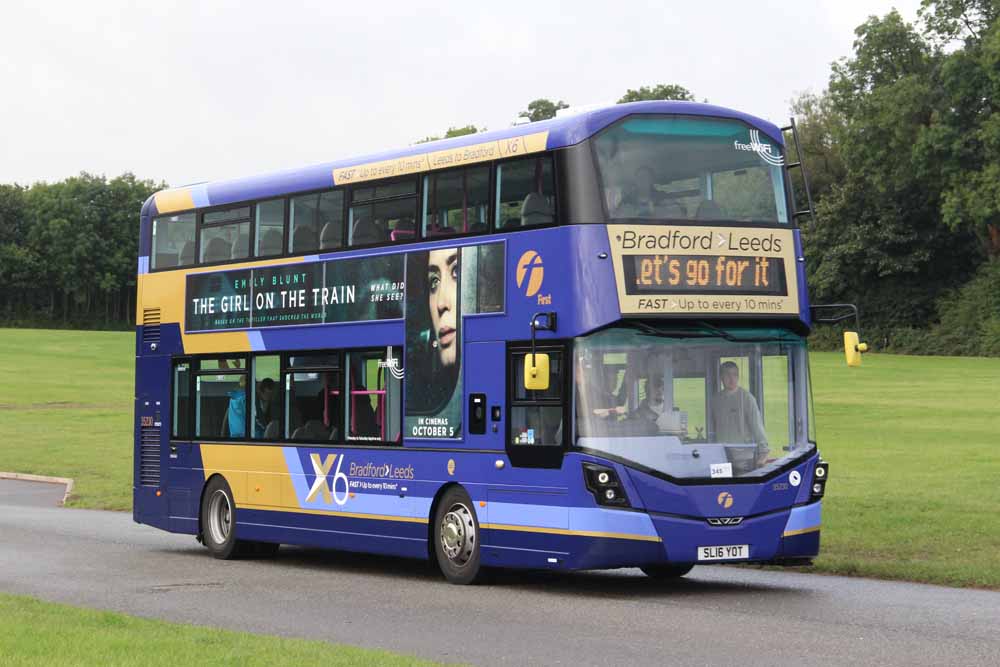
<point>571,344</point>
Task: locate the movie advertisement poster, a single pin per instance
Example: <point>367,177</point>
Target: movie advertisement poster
<point>434,344</point>
<point>442,286</point>
<point>351,290</point>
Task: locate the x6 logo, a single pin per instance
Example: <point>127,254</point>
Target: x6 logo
<point>322,469</point>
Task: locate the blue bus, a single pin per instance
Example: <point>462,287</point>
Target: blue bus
<point>571,344</point>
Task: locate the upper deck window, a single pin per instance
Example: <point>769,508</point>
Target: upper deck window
<point>525,193</point>
<point>270,231</point>
<point>383,213</point>
<point>683,168</point>
<point>317,222</point>
<point>225,235</point>
<point>457,202</point>
<point>173,241</point>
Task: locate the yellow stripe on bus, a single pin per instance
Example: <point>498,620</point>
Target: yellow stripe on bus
<point>452,157</point>
<point>578,533</point>
<point>169,201</point>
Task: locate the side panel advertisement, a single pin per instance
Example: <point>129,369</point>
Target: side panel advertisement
<point>442,285</point>
<point>348,290</point>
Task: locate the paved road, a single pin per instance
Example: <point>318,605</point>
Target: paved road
<point>722,616</point>
<point>35,494</point>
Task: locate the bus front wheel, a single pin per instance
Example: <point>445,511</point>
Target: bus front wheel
<point>456,537</point>
<point>218,521</point>
<point>664,572</point>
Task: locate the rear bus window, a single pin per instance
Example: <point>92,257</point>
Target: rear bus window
<point>173,241</point>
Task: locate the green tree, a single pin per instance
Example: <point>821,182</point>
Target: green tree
<point>878,238</point>
<point>454,132</point>
<point>661,91</point>
<point>819,127</point>
<point>965,134</point>
<point>948,20</point>
<point>542,109</point>
<point>75,252</point>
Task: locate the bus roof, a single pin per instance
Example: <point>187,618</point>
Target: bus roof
<point>550,134</point>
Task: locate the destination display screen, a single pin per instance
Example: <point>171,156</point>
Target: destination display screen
<point>696,270</point>
<point>701,274</point>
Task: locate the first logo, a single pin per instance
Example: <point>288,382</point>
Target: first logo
<point>530,267</point>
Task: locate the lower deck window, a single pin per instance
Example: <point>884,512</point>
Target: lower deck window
<point>220,399</point>
<point>375,395</point>
<point>326,397</point>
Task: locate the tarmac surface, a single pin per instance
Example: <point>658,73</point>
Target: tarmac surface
<point>715,615</point>
<point>32,494</point>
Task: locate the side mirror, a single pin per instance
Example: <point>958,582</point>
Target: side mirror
<point>853,348</point>
<point>536,371</point>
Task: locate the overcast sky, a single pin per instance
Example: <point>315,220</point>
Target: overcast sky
<point>187,92</point>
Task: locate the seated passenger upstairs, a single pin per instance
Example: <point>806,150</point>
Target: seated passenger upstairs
<point>535,210</point>
<point>217,250</point>
<point>270,244</point>
<point>303,239</point>
<point>367,232</point>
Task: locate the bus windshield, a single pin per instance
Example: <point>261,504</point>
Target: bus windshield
<point>686,168</point>
<point>694,403</point>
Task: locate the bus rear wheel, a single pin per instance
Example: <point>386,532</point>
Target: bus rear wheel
<point>665,572</point>
<point>218,521</point>
<point>456,537</point>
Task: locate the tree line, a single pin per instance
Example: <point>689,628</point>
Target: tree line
<point>68,251</point>
<point>902,149</point>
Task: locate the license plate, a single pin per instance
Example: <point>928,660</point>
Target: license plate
<point>729,552</point>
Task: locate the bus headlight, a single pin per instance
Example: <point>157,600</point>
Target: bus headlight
<point>820,475</point>
<point>605,486</point>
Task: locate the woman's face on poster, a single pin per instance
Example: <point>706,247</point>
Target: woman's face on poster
<point>442,292</point>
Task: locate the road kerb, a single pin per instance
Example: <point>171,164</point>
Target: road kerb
<point>66,481</point>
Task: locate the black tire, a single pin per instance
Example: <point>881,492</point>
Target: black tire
<point>218,521</point>
<point>456,537</point>
<point>666,572</point>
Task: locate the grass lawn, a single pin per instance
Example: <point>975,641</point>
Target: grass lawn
<point>914,451</point>
<point>37,633</point>
<point>913,445</point>
<point>66,410</point>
